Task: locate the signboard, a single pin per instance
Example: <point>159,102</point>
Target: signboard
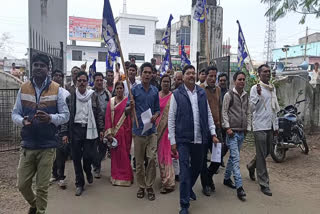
<point>186,49</point>
<point>84,29</point>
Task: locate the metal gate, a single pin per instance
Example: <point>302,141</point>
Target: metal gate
<point>9,132</point>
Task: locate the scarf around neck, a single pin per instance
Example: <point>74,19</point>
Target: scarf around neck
<point>274,100</point>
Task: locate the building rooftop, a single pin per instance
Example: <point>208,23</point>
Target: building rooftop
<point>139,17</point>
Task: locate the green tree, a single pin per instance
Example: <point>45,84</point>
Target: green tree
<point>280,8</point>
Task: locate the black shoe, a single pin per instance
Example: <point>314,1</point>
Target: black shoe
<point>79,191</point>
<point>229,183</point>
<point>251,173</point>
<point>213,188</point>
<point>90,179</point>
<point>97,175</point>
<point>193,196</point>
<point>241,194</point>
<point>177,178</point>
<point>184,211</point>
<point>206,191</point>
<point>32,210</point>
<point>266,191</point>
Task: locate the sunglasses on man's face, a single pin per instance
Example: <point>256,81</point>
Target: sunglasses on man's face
<point>81,80</point>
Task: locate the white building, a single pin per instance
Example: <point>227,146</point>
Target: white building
<point>77,55</point>
<point>137,36</point>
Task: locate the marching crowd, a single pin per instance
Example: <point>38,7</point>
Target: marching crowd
<point>187,120</point>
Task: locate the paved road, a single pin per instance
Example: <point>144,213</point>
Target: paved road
<point>101,198</point>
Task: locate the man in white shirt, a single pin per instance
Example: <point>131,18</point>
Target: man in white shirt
<point>264,105</point>
<point>84,127</point>
<point>132,72</point>
<point>190,122</point>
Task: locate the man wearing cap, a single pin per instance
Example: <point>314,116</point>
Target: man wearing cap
<point>40,105</point>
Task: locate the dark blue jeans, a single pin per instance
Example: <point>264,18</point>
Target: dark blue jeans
<point>190,161</point>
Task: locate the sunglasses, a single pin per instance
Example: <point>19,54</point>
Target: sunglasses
<point>80,80</point>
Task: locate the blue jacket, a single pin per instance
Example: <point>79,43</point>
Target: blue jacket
<point>39,135</point>
<point>184,131</point>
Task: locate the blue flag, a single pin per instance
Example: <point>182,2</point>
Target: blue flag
<point>109,62</point>
<point>242,53</point>
<point>184,58</point>
<point>109,31</point>
<point>199,10</point>
<point>92,71</point>
<point>166,63</point>
<point>166,37</point>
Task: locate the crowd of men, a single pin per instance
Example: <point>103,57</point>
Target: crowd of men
<point>56,120</point>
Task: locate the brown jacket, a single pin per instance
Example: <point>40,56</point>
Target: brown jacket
<point>213,96</point>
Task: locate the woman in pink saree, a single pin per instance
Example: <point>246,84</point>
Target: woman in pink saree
<point>118,125</point>
<point>164,147</point>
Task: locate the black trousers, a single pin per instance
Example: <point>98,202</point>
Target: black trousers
<point>208,172</point>
<point>100,152</point>
<point>81,148</point>
<point>60,162</point>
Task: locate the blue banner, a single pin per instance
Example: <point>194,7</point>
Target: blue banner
<point>166,37</point>
<point>92,71</point>
<point>109,62</point>
<point>109,31</point>
<point>166,65</point>
<point>199,10</point>
<point>184,58</point>
<point>242,53</point>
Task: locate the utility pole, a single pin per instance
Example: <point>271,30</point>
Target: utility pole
<point>270,38</point>
<point>305,46</point>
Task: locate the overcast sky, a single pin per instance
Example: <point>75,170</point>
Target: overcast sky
<point>250,13</point>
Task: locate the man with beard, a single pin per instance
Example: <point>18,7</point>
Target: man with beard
<point>213,95</point>
<point>189,134</point>
<point>40,105</point>
<point>104,97</point>
<point>84,127</point>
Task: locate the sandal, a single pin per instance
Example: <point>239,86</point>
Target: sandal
<point>151,195</point>
<point>140,193</point>
<point>163,190</point>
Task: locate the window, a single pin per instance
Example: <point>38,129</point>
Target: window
<point>138,30</point>
<point>76,55</point>
<point>183,34</point>
<point>102,56</point>
<point>139,57</point>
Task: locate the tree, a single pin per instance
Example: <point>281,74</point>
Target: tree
<point>280,8</point>
<point>5,44</point>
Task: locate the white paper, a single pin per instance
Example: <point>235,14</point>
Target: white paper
<point>216,153</point>
<point>146,120</point>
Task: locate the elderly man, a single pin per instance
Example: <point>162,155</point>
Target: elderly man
<point>178,80</point>
<point>188,135</point>
<point>40,105</point>
<point>84,127</point>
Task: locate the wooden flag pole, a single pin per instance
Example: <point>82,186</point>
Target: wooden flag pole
<point>127,80</point>
<point>207,35</point>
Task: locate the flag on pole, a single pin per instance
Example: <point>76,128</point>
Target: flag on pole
<point>184,58</point>
<point>109,31</point>
<point>166,37</point>
<point>109,62</point>
<point>166,63</point>
<point>92,71</point>
<point>199,10</point>
<point>242,53</point>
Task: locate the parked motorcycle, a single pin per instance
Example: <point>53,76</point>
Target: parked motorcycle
<point>291,133</point>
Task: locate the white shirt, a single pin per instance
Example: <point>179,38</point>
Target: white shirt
<point>196,118</point>
<point>263,117</point>
<point>81,112</point>
<point>126,92</point>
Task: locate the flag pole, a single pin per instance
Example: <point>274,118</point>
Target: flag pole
<point>207,35</point>
<point>127,80</point>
